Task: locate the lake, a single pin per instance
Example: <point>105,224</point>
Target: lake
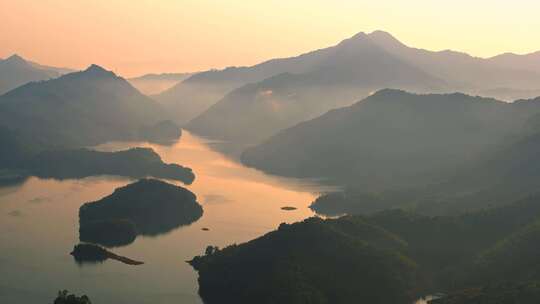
<point>39,227</point>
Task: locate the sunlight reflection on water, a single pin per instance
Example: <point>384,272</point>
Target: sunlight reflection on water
<point>39,221</point>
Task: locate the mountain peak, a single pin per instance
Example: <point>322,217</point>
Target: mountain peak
<point>15,59</point>
<point>389,92</point>
<point>384,39</point>
<point>381,34</point>
<point>97,71</point>
<point>379,38</point>
<point>358,40</point>
<point>359,37</point>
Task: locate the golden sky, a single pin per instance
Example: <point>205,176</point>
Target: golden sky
<point>133,37</point>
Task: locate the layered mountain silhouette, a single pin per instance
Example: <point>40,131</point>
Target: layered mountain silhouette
<point>16,71</point>
<point>77,109</point>
<point>463,72</point>
<point>311,84</point>
<point>408,172</point>
<point>194,95</point>
<point>353,68</point>
<point>151,84</point>
<point>396,139</point>
<point>505,173</point>
<point>529,62</point>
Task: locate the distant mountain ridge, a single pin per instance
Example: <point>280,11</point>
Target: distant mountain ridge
<point>307,86</point>
<point>194,95</point>
<point>530,62</point>
<point>152,84</point>
<point>16,71</point>
<point>336,77</point>
<point>462,71</point>
<point>162,76</point>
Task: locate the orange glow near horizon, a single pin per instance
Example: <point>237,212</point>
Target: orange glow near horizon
<point>137,37</point>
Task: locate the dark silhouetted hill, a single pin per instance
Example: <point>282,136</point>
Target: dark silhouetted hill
<point>389,257</point>
<point>78,109</point>
<point>151,206</point>
<point>313,261</point>
<point>391,138</point>
<point>136,163</point>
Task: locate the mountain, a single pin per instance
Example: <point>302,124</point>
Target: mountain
<point>81,163</point>
<point>78,109</point>
<point>392,139</point>
<point>13,151</point>
<point>509,94</point>
<point>194,95</point>
<point>152,84</point>
<point>16,71</point>
<point>355,67</point>
<point>516,256</point>
<point>528,62</point>
<point>463,72</point>
<point>497,176</point>
<point>508,172</point>
<point>339,75</point>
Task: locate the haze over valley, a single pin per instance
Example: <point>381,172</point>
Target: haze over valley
<point>198,152</point>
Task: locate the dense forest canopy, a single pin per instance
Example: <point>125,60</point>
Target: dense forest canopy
<point>389,257</point>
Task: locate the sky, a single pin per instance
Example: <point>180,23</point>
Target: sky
<point>134,37</point>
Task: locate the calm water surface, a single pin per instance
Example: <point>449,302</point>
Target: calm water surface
<point>39,227</point>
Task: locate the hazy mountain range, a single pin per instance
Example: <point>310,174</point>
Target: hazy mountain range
<point>279,93</point>
<point>528,62</point>
<point>395,139</point>
<point>77,109</point>
<point>463,72</point>
<point>16,71</point>
<point>341,74</point>
<point>371,115</point>
<point>434,153</point>
<point>151,84</point>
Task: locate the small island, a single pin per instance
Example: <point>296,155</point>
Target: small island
<point>288,208</point>
<point>91,253</point>
<point>80,163</point>
<point>147,207</point>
